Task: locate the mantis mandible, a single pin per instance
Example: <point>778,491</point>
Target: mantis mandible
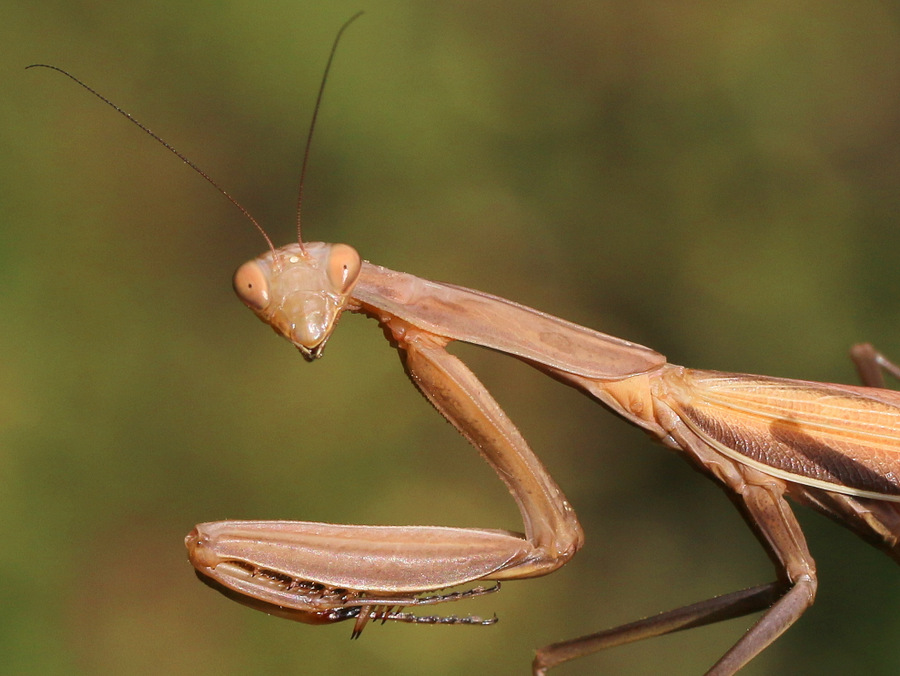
<point>835,448</point>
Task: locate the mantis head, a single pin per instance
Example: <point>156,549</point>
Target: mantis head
<point>300,290</point>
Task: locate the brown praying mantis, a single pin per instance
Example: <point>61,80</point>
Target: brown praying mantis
<point>835,448</point>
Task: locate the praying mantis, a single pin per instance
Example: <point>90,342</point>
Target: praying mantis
<point>835,448</point>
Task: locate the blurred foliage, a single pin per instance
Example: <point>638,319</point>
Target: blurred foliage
<point>718,180</point>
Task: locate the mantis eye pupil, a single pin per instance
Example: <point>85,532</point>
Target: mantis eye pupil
<point>343,267</point>
<point>251,286</point>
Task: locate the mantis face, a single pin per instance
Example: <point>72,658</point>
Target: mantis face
<point>300,290</point>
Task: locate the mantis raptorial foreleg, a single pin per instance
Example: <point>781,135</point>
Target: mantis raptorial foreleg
<point>551,528</point>
<point>253,558</point>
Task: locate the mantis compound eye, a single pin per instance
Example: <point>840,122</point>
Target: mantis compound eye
<point>343,267</point>
<point>251,286</point>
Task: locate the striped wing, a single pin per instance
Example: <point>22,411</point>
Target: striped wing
<point>836,437</point>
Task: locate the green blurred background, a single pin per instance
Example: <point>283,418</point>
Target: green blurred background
<point>718,180</point>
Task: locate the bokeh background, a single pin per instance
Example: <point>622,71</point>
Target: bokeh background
<point>718,180</point>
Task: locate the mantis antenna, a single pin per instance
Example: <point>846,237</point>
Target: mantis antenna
<point>165,144</point>
<point>312,124</point>
<point>168,146</point>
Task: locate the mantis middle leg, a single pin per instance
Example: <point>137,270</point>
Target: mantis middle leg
<point>760,499</point>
